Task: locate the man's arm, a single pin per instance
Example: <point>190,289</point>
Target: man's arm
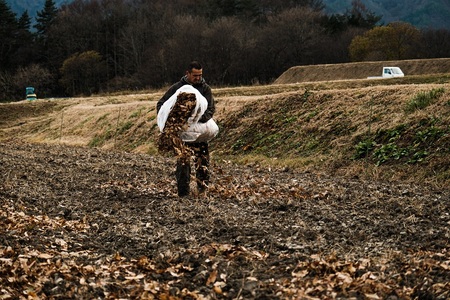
<point>166,96</point>
<point>211,105</point>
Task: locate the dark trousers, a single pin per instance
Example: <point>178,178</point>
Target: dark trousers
<point>183,170</point>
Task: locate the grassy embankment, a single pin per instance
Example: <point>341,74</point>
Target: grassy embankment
<point>395,129</point>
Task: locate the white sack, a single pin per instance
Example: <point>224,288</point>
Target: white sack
<point>196,132</point>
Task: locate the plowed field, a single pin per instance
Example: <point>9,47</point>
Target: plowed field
<point>84,223</point>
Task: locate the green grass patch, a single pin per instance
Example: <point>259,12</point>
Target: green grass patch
<point>423,99</point>
<point>363,148</point>
<point>99,140</point>
<point>404,143</point>
<point>125,127</point>
<point>102,118</point>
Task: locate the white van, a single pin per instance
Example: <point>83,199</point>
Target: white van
<point>389,72</point>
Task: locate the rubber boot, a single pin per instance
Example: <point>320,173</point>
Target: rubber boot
<point>183,176</point>
<point>201,160</point>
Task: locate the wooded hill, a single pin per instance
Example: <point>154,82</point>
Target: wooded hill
<point>420,13</point>
<point>88,47</point>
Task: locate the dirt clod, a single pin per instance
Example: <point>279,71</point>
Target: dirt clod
<point>85,223</point>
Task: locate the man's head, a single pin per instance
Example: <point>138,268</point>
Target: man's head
<point>194,72</point>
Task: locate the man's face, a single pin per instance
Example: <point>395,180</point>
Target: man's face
<point>194,76</point>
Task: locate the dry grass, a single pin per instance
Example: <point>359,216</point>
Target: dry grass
<point>320,133</point>
<point>362,70</point>
<point>312,126</point>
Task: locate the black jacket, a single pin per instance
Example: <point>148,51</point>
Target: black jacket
<point>202,87</point>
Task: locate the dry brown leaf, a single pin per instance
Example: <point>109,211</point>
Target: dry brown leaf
<point>211,278</point>
<point>169,140</point>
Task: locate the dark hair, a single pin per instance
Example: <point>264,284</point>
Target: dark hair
<point>194,65</point>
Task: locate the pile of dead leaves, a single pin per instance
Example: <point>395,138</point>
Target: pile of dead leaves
<point>169,140</point>
<point>49,269</point>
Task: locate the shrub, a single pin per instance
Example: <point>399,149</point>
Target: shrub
<point>363,148</point>
<point>36,76</point>
<point>83,73</point>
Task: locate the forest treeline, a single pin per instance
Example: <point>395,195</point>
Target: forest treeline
<point>92,46</point>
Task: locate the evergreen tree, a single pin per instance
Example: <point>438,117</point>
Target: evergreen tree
<point>8,31</point>
<point>7,18</point>
<point>24,21</point>
<point>25,42</point>
<point>45,18</point>
<point>360,16</point>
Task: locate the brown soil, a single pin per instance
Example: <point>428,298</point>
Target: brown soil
<point>81,217</point>
<point>86,223</point>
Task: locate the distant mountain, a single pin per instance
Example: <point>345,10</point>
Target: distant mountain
<point>420,13</point>
<point>32,6</point>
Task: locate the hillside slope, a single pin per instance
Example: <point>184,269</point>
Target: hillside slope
<point>362,70</point>
<point>354,131</point>
<point>382,129</point>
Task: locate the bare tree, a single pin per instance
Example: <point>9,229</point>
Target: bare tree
<point>221,47</point>
<point>180,41</point>
<point>290,38</point>
<point>435,43</point>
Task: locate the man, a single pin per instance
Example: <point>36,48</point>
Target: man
<point>200,150</point>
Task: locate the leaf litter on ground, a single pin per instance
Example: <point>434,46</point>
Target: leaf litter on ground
<point>78,222</point>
